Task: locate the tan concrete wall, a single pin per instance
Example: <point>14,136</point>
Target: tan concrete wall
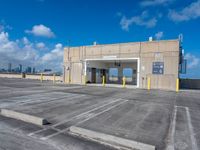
<point>29,76</point>
<point>3,75</point>
<point>164,51</point>
<point>148,52</point>
<point>45,77</point>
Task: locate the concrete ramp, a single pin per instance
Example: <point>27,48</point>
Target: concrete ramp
<point>23,117</point>
<point>113,141</point>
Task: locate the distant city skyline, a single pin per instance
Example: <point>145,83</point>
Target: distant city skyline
<point>21,69</point>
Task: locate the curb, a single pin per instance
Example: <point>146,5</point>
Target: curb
<point>110,140</point>
<point>23,117</point>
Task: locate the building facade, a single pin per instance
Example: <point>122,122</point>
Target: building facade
<point>135,62</point>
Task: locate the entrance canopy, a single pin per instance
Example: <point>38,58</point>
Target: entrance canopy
<point>112,70</point>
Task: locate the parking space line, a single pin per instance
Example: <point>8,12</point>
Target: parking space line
<point>82,114</point>
<point>62,98</point>
<point>92,116</point>
<point>170,145</point>
<point>193,140</point>
<point>42,100</point>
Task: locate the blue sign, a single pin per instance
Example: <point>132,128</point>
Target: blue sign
<point>158,68</point>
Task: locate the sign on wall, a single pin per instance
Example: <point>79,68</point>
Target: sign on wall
<point>158,68</point>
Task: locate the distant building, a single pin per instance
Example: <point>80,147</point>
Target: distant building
<point>47,70</point>
<point>20,68</point>
<point>28,70</point>
<point>2,70</point>
<point>15,70</point>
<point>34,70</point>
<point>9,67</point>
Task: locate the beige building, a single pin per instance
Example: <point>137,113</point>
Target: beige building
<point>138,62</point>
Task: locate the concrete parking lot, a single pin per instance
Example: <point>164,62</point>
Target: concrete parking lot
<point>164,119</point>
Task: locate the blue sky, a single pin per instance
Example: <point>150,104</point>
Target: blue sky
<point>34,32</point>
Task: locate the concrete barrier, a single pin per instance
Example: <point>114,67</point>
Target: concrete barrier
<point>31,76</point>
<point>23,117</point>
<point>190,83</point>
<point>7,75</point>
<point>110,140</point>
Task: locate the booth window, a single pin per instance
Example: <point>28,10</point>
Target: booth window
<point>113,74</point>
<point>128,73</point>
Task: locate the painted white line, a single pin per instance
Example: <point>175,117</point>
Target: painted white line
<point>84,113</point>
<point>92,116</point>
<point>34,99</point>
<point>75,117</point>
<point>101,112</point>
<point>193,140</point>
<point>170,145</point>
<point>42,98</point>
<point>59,99</point>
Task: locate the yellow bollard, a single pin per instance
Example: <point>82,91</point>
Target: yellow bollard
<point>103,82</point>
<point>149,83</point>
<point>41,77</point>
<point>124,82</point>
<point>54,78</point>
<point>177,85</point>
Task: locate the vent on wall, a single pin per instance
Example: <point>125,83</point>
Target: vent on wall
<point>94,43</point>
<point>150,39</point>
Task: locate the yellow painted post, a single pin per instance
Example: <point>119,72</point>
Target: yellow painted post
<point>177,85</point>
<point>41,77</point>
<point>54,78</point>
<point>124,82</point>
<point>149,83</point>
<point>103,83</point>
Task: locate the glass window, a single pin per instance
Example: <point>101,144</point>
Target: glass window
<point>128,73</point>
<point>113,74</point>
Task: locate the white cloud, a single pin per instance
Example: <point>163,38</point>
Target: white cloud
<point>41,30</point>
<point>54,58</point>
<point>26,53</point>
<point>56,53</point>
<point>25,41</point>
<point>40,45</point>
<point>159,35</point>
<point>192,61</point>
<point>3,37</point>
<point>190,12</point>
<point>142,20</point>
<point>146,3</point>
<point>11,51</point>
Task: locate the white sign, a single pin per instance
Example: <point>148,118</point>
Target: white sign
<point>109,57</point>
